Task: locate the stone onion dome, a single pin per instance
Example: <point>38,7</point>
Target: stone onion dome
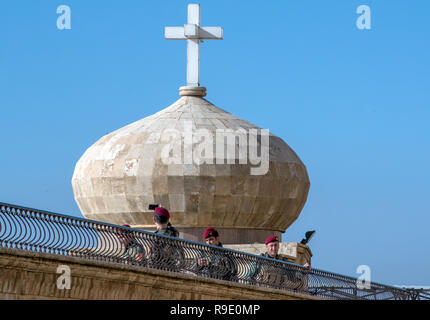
<point>122,173</point>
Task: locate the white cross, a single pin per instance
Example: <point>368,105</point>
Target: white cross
<point>194,34</point>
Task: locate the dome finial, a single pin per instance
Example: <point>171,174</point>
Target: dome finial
<point>192,91</point>
<point>194,34</point>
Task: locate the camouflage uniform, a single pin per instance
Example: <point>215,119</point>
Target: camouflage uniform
<point>168,231</point>
<point>167,254</point>
<point>278,257</point>
<point>275,274</point>
<point>220,265</point>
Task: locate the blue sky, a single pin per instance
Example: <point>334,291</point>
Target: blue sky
<point>354,104</point>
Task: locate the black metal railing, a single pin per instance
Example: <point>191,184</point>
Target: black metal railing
<point>41,231</point>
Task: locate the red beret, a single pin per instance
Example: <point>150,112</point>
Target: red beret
<point>209,232</point>
<point>160,211</point>
<point>126,225</point>
<point>271,239</point>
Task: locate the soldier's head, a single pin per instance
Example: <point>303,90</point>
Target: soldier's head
<point>161,216</point>
<point>272,246</point>
<point>211,236</point>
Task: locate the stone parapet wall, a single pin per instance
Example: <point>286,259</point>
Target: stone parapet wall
<point>29,275</point>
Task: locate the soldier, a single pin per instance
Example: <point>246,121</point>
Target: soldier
<point>274,273</point>
<point>166,254</point>
<point>272,249</point>
<point>161,220</point>
<point>215,264</point>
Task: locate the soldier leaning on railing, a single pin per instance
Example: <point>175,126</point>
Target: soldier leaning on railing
<point>165,254</point>
<point>276,274</point>
<point>218,265</point>
<point>152,252</point>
